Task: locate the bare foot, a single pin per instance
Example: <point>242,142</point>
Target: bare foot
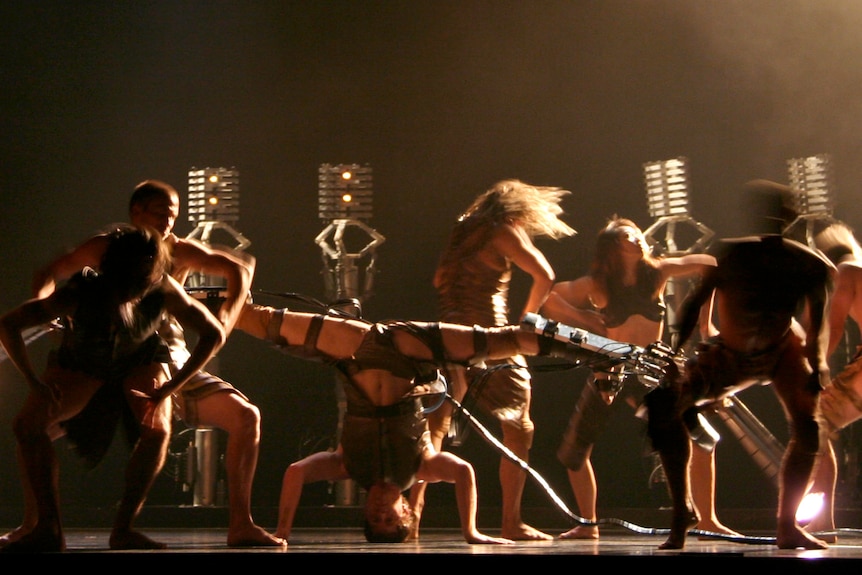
<point>680,524</point>
<point>129,539</point>
<point>824,530</point>
<point>582,532</point>
<point>716,527</point>
<point>482,539</point>
<point>797,538</point>
<point>14,535</point>
<point>37,541</point>
<point>524,532</point>
<point>254,536</point>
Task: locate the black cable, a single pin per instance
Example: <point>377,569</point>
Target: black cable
<point>506,452</point>
<point>331,309</point>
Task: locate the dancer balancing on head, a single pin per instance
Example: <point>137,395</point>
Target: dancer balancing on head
<point>392,379</point>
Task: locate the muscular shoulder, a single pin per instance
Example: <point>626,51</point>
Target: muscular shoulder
<point>190,253</point>
<point>187,252</point>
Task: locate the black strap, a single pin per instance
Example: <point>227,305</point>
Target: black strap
<point>548,337</point>
<point>310,345</point>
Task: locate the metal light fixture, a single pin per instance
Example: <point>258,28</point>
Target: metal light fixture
<point>345,200</point>
<point>345,191</point>
<point>667,185</point>
<point>213,204</point>
<point>811,180</point>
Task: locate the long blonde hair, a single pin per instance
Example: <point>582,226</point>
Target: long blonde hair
<point>537,208</point>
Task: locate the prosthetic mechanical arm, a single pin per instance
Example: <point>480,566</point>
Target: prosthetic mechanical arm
<point>581,347</point>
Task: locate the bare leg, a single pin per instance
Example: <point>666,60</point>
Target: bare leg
<point>583,482</point>
<point>147,457</point>
<point>676,466</point>
<point>703,491</point>
<point>40,467</point>
<point>241,420</point>
<point>512,482</point>
<point>145,463</point>
<point>796,468</point>
<point>35,428</point>
<point>31,514</point>
<point>825,478</point>
<point>791,384</point>
<point>670,437</point>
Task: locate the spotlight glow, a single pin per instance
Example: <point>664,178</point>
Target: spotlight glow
<point>809,508</point>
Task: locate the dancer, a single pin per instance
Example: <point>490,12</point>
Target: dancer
<point>622,298</point>
<point>109,361</point>
<point>759,284</point>
<point>840,402</point>
<point>388,369</point>
<point>491,238</point>
<point>207,400</point>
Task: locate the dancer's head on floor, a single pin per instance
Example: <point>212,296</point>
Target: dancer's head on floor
<point>388,515</point>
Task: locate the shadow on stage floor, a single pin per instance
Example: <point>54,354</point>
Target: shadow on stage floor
<point>335,533</point>
<point>617,547</point>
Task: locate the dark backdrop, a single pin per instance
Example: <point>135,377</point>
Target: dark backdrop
<point>442,99</point>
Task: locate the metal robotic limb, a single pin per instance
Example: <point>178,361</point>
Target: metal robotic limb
<point>341,272</point>
<point>677,290</point>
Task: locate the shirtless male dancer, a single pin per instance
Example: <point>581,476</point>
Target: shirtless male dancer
<point>759,284</point>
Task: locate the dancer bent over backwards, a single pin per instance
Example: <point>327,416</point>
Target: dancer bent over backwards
<point>385,445</point>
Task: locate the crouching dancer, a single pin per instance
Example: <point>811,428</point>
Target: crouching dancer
<point>110,360</point>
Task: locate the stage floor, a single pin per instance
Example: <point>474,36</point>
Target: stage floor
<point>617,545</point>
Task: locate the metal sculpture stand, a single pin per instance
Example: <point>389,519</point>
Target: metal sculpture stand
<point>677,290</point>
<point>204,456</point>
